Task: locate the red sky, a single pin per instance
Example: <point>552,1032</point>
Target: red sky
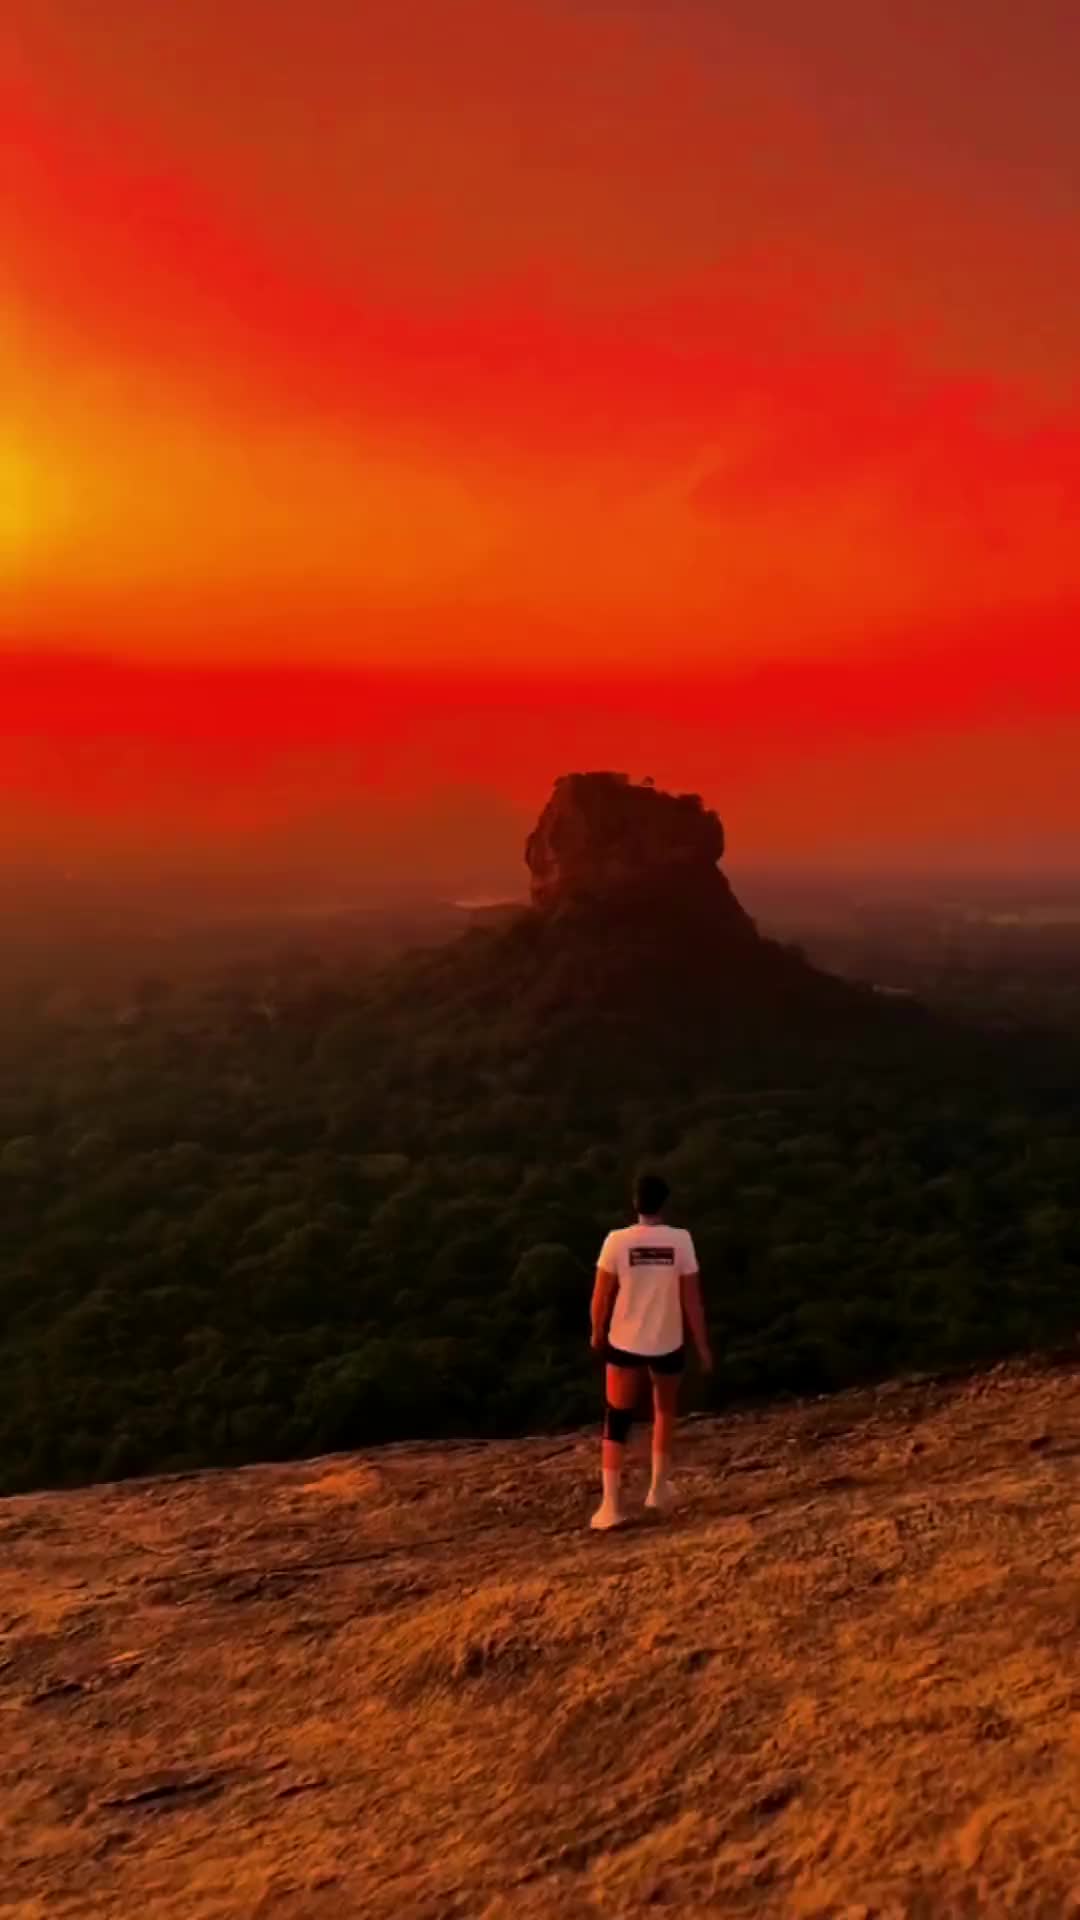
<point>411,403</point>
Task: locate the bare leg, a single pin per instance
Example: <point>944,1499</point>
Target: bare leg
<point>621,1387</point>
<point>665,1408</point>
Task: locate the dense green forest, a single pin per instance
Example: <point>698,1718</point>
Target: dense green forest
<point>244,1220</point>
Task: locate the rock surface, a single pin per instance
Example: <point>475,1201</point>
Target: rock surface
<point>603,840</point>
<point>843,1680</point>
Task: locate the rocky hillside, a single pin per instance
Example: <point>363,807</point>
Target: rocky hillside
<point>632,923</point>
<point>844,1680</point>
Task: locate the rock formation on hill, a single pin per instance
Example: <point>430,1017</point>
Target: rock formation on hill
<point>634,956</point>
<point>603,841</point>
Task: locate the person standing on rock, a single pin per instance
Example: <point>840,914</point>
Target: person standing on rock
<point>647,1293</point>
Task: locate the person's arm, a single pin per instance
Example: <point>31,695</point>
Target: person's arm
<point>693,1308</point>
<point>603,1302</point>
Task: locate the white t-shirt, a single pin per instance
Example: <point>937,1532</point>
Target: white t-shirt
<point>648,1262</point>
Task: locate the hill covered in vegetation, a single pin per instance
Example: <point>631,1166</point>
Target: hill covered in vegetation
<point>255,1219</point>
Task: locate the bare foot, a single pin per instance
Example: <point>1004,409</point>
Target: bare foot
<point>661,1497</point>
<point>606,1517</point>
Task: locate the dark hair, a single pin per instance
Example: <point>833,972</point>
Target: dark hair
<point>650,1192</point>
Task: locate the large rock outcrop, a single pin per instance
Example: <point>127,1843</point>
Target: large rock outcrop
<point>843,1702</point>
<point>634,959</point>
<point>604,841</point>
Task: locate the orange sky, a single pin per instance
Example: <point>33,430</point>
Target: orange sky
<point>485,387</point>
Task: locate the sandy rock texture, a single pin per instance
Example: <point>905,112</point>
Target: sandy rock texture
<point>842,1682</point>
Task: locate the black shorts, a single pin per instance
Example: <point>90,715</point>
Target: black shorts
<point>674,1362</point>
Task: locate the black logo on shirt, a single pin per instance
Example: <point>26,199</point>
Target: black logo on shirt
<point>652,1256</point>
